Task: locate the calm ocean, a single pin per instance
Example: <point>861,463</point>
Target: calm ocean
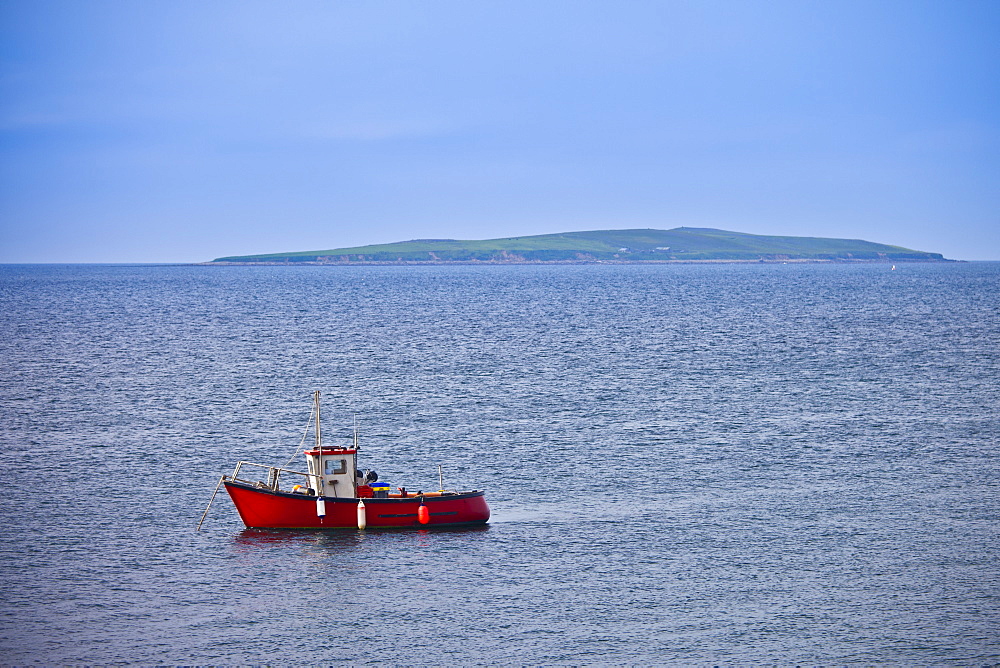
<point>712,465</point>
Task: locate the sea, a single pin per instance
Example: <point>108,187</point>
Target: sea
<point>709,465</point>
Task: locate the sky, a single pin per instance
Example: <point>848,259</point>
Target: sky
<point>182,131</point>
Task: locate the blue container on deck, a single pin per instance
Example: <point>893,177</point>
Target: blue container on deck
<point>380,490</point>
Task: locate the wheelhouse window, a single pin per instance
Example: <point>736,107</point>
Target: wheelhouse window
<point>335,466</point>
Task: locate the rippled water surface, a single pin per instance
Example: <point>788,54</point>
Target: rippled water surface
<point>686,464</point>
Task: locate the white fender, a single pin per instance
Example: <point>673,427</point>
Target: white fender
<point>362,514</point>
<point>320,507</point>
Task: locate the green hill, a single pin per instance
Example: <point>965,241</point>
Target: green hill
<point>677,245</point>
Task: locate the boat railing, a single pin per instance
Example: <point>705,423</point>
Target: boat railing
<point>272,479</point>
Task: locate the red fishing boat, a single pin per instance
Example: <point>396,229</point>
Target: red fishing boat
<point>334,494</point>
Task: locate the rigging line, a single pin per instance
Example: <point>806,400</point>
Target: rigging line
<point>305,433</point>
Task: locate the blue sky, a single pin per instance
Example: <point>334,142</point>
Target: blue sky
<point>177,131</point>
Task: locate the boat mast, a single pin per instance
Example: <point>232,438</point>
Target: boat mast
<point>319,442</point>
<point>320,483</point>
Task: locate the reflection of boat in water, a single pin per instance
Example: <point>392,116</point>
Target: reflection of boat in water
<point>334,494</point>
<point>253,539</point>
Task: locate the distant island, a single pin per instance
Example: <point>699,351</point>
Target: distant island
<point>683,244</point>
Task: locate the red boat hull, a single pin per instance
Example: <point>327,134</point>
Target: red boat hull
<point>263,508</point>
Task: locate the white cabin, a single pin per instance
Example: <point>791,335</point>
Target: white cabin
<point>333,471</point>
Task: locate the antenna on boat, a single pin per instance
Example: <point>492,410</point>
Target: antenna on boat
<point>355,431</point>
<point>440,479</point>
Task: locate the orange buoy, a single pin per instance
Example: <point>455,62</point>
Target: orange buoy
<point>423,515</point>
